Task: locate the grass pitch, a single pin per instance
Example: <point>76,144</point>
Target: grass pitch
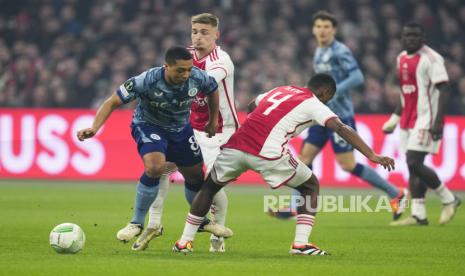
<point>361,243</point>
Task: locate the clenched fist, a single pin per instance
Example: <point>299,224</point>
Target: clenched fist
<point>86,133</point>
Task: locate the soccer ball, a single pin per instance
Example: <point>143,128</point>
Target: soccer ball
<point>67,238</point>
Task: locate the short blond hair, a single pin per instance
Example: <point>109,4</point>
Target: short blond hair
<point>205,18</point>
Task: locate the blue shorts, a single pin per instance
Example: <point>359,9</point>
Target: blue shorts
<point>180,148</point>
<point>318,136</point>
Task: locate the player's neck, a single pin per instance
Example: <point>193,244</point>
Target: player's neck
<point>201,53</point>
<point>168,80</point>
<point>325,44</point>
<point>412,52</point>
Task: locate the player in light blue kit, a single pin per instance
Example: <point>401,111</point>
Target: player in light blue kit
<point>334,58</point>
<point>160,127</point>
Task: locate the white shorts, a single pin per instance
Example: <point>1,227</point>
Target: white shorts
<point>418,140</point>
<point>287,170</point>
<point>211,146</point>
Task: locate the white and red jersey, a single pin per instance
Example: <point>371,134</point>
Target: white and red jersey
<point>419,74</point>
<point>218,64</point>
<point>281,114</point>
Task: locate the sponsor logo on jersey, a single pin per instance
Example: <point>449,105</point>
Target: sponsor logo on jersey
<point>158,93</point>
<point>324,68</point>
<point>408,88</point>
<point>326,56</point>
<point>167,105</point>
<point>201,101</point>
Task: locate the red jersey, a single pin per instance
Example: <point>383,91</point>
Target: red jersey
<point>218,64</point>
<point>280,115</point>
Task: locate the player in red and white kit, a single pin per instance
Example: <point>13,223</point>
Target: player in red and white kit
<point>211,58</point>
<point>218,64</point>
<point>420,115</point>
<point>260,144</point>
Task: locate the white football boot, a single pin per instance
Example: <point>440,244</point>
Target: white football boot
<point>130,231</point>
<point>215,229</point>
<point>217,245</point>
<point>412,220</point>
<point>448,211</point>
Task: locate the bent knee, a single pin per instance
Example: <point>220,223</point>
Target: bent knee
<point>311,185</point>
<point>154,170</point>
<point>307,160</point>
<point>347,165</point>
<point>413,165</point>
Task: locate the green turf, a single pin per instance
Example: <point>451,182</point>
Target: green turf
<point>361,243</point>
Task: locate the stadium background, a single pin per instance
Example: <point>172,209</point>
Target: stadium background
<point>74,54</point>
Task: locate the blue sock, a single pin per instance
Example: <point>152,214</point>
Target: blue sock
<point>369,175</point>
<point>147,190</point>
<point>189,193</point>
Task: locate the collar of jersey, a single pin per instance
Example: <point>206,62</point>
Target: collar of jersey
<point>202,59</point>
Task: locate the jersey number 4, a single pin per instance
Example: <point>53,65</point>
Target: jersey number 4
<point>276,101</point>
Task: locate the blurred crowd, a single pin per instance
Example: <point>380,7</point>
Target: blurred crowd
<point>76,53</point>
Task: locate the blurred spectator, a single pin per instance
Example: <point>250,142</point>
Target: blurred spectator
<point>76,53</point>
<point>458,101</point>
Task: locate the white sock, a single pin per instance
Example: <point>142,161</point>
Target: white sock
<point>418,208</point>
<point>156,209</point>
<point>219,209</point>
<point>445,194</point>
<point>191,227</point>
<point>303,228</point>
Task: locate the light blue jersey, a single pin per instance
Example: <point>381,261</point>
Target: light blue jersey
<point>162,104</point>
<point>337,60</point>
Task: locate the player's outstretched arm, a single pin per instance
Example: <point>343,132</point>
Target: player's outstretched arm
<point>348,134</point>
<point>102,115</point>
<point>213,109</point>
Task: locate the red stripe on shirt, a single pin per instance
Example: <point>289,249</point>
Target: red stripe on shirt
<point>232,106</point>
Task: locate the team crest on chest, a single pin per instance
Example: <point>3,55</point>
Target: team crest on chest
<point>155,136</point>
<point>192,92</point>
